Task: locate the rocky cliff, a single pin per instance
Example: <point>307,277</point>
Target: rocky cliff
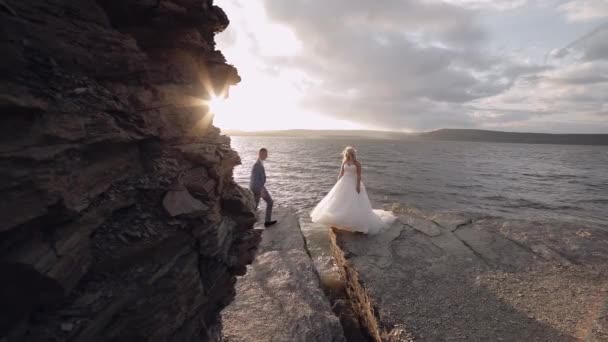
<point>120,219</point>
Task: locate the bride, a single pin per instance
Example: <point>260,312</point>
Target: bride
<point>347,206</point>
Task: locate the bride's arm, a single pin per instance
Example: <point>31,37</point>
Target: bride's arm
<point>358,177</point>
<point>341,171</point>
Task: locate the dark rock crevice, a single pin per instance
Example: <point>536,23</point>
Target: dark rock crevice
<point>357,296</point>
<point>340,304</point>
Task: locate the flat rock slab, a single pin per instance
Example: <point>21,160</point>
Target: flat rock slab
<point>449,277</point>
<point>279,299</point>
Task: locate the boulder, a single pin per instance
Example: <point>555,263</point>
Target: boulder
<point>238,201</point>
<point>180,202</point>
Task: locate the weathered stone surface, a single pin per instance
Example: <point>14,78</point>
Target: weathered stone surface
<point>236,200</point>
<point>451,220</point>
<point>120,219</point>
<point>424,226</point>
<point>201,154</point>
<point>479,279</point>
<point>179,202</point>
<point>599,330</point>
<point>279,299</point>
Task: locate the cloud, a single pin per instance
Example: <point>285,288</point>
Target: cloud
<point>582,73</point>
<point>574,94</point>
<point>499,5</point>
<point>593,45</point>
<point>407,64</point>
<point>425,64</point>
<point>596,46</point>
<point>427,19</point>
<point>584,10</point>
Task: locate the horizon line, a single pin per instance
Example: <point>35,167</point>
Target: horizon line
<point>399,132</point>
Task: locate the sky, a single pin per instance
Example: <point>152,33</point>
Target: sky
<point>417,65</point>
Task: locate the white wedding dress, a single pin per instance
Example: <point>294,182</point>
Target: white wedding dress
<point>346,209</point>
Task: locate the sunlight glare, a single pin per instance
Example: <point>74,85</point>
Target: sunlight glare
<point>217,104</point>
<point>265,100</point>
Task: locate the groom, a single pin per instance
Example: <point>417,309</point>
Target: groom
<point>256,185</point>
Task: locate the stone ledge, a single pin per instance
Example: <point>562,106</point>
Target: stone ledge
<point>280,299</point>
<point>477,279</point>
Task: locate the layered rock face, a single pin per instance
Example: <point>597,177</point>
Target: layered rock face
<point>120,219</point>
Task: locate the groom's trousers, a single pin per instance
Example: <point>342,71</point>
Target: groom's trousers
<point>263,194</point>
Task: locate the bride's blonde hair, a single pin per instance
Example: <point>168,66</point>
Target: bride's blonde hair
<point>349,153</point>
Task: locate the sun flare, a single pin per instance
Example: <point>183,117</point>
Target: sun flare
<point>217,104</point>
<point>263,100</point>
<point>251,108</point>
<point>223,111</point>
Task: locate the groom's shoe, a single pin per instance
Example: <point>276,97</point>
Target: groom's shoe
<point>269,223</point>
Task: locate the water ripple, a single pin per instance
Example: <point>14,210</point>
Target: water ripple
<point>518,180</point>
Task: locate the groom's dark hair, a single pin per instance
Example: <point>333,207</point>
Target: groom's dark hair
<point>263,149</point>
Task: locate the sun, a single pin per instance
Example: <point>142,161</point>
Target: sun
<point>223,112</point>
<point>217,104</point>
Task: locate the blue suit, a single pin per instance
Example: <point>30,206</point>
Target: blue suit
<point>257,183</point>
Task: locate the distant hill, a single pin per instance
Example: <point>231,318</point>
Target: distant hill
<point>442,134</point>
<point>512,137</point>
<point>359,134</point>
